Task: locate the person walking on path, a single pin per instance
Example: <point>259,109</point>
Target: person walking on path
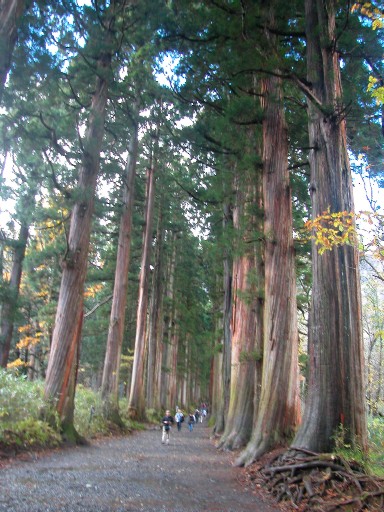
<point>179,417</point>
<point>166,424</point>
<point>191,421</point>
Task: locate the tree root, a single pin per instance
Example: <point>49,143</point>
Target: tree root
<point>318,482</point>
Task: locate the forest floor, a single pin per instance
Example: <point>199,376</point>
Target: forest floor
<point>132,473</point>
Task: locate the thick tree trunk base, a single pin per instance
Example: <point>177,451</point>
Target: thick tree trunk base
<point>135,414</point>
<point>112,415</point>
<point>70,436</point>
<point>253,452</point>
<point>232,442</point>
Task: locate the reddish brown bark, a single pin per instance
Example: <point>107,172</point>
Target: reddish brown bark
<point>58,389</point>
<point>278,412</point>
<point>111,372</point>
<point>246,325</point>
<point>136,405</point>
<point>336,396</point>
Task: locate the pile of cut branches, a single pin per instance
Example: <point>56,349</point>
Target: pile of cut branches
<point>318,482</point>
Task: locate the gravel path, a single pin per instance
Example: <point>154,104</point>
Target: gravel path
<point>134,473</point>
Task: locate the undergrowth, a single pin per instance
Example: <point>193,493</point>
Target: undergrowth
<point>23,426</point>
<point>26,424</point>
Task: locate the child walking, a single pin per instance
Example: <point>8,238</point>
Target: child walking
<point>166,423</point>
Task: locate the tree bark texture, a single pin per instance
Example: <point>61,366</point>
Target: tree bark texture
<point>336,397</point>
<point>111,372</point>
<point>278,412</point>
<point>246,324</point>
<point>169,329</point>
<point>69,313</point>
<point>136,405</point>
<point>11,12</point>
<point>155,322</point>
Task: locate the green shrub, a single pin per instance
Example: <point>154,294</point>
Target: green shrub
<point>373,463</point>
<point>30,433</point>
<point>19,398</point>
<point>88,419</point>
<point>153,416</point>
<point>376,445</point>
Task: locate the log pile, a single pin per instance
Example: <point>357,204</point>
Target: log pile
<point>308,482</point>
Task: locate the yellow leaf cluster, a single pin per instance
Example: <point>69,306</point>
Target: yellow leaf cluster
<point>17,363</point>
<point>373,13</point>
<point>332,229</point>
<point>93,290</point>
<point>29,341</point>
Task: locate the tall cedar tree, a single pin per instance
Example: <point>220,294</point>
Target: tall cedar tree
<point>136,404</point>
<point>336,398</point>
<point>60,378</point>
<point>111,371</point>
<point>246,318</point>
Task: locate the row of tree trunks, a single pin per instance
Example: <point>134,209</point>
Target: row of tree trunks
<point>26,206</point>
<point>136,404</point>
<point>277,415</point>
<point>155,331</point>
<point>8,306</point>
<point>246,321</point>
<point>111,371</point>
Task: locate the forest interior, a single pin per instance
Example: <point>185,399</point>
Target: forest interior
<point>178,228</point>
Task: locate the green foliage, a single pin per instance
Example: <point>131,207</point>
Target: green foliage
<point>25,421</point>
<point>30,433</point>
<point>89,420</point>
<point>21,409</point>
<point>376,445</point>
<point>253,356</point>
<point>153,416</point>
<point>373,463</point>
<point>19,399</point>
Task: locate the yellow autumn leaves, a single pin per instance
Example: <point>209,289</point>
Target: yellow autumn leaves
<point>330,230</point>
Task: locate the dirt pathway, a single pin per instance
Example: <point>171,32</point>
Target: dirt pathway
<point>134,473</point>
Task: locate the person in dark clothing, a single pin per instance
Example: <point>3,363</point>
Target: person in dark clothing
<point>166,423</point>
<point>191,421</point>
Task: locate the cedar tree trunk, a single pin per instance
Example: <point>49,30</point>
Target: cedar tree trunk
<point>136,405</point>
<point>278,411</point>
<point>336,397</point>
<point>110,382</point>
<point>246,326</point>
<point>155,322</point>
<point>59,388</point>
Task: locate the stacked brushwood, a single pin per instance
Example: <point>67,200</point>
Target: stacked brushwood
<point>309,481</point>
